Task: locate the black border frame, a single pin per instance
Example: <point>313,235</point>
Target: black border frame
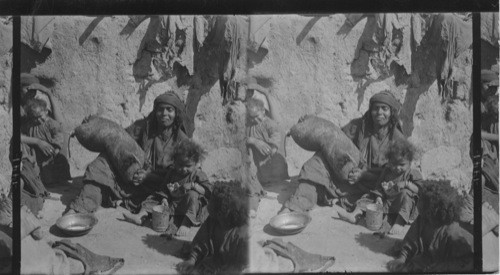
<point>106,7</point>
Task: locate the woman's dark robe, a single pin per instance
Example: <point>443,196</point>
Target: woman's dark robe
<point>316,186</point>
<point>102,185</point>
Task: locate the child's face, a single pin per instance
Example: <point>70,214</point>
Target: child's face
<point>27,94</point>
<point>185,166</point>
<point>38,115</point>
<point>400,165</point>
<point>255,115</point>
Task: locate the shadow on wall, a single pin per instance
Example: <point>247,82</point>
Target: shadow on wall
<point>367,68</point>
<point>30,58</point>
<point>306,29</point>
<point>364,70</point>
<point>205,65</point>
<point>89,29</point>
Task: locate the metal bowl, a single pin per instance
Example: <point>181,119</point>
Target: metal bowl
<point>77,224</point>
<point>290,223</point>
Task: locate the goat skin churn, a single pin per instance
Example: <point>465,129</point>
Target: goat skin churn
<point>102,135</point>
<point>313,133</point>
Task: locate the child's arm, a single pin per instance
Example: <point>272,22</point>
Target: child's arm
<point>411,186</point>
<point>406,184</point>
<point>203,182</point>
<point>489,136</point>
<point>200,184</point>
<point>414,181</point>
<point>260,145</point>
<point>44,146</point>
<point>194,186</point>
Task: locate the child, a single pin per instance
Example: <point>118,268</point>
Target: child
<point>263,138</point>
<point>397,187</point>
<point>186,188</point>
<point>48,141</point>
<point>221,244</point>
<point>436,242</point>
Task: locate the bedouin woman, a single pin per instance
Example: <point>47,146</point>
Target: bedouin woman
<point>372,134</point>
<point>157,135</point>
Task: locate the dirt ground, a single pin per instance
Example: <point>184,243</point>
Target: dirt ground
<point>354,246</point>
<point>146,252</point>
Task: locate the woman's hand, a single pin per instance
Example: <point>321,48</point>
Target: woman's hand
<point>46,148</point>
<point>186,267</point>
<point>379,201</point>
<point>396,265</point>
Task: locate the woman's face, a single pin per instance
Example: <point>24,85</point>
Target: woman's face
<point>381,113</point>
<point>165,114</point>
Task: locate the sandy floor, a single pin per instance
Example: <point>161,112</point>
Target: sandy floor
<point>354,246</point>
<point>146,252</point>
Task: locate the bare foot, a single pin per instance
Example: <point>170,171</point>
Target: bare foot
<point>135,219</point>
<point>184,228</point>
<point>352,217</point>
<point>396,229</point>
<point>182,231</point>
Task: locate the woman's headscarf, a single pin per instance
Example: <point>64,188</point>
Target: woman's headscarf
<point>173,99</point>
<point>386,97</point>
<point>169,98</point>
